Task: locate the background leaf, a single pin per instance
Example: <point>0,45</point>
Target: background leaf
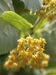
<point>51,71</point>
<point>49,33</point>
<point>5,5</point>
<point>31,18</point>
<point>10,4</point>
<point>8,37</point>
<point>33,5</point>
<point>19,7</point>
<point>2,60</point>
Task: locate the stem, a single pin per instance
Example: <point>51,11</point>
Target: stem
<point>42,18</point>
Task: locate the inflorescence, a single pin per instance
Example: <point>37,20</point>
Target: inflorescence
<point>29,53</point>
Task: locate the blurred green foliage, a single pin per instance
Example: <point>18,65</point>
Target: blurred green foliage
<point>9,35</point>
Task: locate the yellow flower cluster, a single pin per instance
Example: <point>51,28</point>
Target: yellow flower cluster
<point>49,1</point>
<point>29,52</point>
<point>48,4</point>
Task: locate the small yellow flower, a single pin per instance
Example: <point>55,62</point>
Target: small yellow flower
<point>46,57</point>
<point>44,63</point>
<point>8,64</point>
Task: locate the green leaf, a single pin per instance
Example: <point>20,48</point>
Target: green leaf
<point>2,61</point>
<point>51,71</point>
<point>33,5</point>
<point>5,5</point>
<point>10,4</point>
<point>8,37</point>
<point>16,21</point>
<point>31,18</point>
<point>19,6</point>
<point>49,33</point>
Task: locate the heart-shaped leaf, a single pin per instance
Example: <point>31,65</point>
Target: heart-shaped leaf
<point>8,37</point>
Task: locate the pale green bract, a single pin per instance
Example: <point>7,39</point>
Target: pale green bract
<point>16,20</point>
